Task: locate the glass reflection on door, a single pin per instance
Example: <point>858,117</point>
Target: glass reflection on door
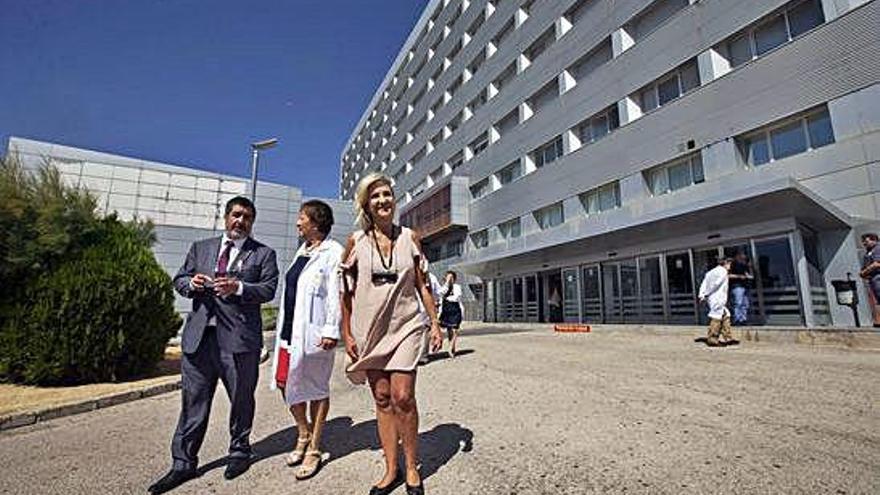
<point>651,289</point>
<point>533,302</point>
<point>570,300</point>
<point>680,288</point>
<point>732,251</point>
<point>777,282</point>
<point>611,293</point>
<point>517,312</point>
<point>629,290</point>
<point>591,294</point>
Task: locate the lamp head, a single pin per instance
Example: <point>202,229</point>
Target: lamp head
<point>264,144</point>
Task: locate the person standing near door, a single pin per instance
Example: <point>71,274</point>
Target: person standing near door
<point>740,282</point>
<point>713,291</point>
<point>870,271</point>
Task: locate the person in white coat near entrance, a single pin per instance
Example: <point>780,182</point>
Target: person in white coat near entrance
<point>307,333</point>
<point>713,291</point>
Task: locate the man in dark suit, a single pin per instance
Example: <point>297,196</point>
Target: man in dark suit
<point>228,278</point>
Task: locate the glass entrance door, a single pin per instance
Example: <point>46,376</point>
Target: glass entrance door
<point>681,299</point>
<point>629,290</point>
<point>533,301</point>
<point>777,282</point>
<point>591,294</point>
<point>613,306</point>
<point>570,298</point>
<point>651,289</point>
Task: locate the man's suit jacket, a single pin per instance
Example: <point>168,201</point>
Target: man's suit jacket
<point>239,324</point>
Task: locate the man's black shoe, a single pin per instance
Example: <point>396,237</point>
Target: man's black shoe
<point>172,480</point>
<point>236,467</point>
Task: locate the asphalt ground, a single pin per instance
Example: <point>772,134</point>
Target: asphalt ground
<point>525,412</point>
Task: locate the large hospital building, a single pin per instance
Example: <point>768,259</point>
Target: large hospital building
<point>185,204</point>
<point>589,160</point>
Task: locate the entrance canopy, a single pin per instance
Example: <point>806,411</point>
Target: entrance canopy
<point>702,214</point>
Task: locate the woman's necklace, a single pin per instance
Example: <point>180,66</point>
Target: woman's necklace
<point>385,266</point>
<point>311,247</point>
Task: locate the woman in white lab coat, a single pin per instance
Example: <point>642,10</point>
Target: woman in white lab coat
<point>307,333</point>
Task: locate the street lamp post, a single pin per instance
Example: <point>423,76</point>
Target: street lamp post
<point>255,158</point>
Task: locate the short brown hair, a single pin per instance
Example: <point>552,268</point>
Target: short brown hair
<point>320,213</point>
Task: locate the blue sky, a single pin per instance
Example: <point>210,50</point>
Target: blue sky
<point>192,82</point>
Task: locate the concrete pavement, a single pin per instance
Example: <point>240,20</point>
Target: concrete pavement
<point>527,412</point>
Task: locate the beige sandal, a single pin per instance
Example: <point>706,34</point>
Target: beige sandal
<point>299,451</point>
<point>307,469</point>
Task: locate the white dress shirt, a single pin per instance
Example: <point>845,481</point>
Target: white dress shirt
<point>233,259</point>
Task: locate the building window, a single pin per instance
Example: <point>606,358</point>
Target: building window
<point>669,87</point>
<point>548,153</point>
<point>540,45</point>
<point>480,239</point>
<point>505,77</point>
<point>591,61</point>
<point>510,173</point>
<point>786,138</point>
<point>652,17</point>
<point>503,33</point>
<point>478,145</point>
<point>475,26</point>
<point>454,122</point>
<point>481,189</point>
<point>510,229</point>
<point>599,125</point>
<point>476,63</point>
<point>544,96</point>
<point>477,102</point>
<point>675,175</point>
<point>601,199</point>
<point>549,216</point>
<point>456,160</point>
<point>777,29</point>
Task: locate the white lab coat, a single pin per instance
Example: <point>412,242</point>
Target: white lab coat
<point>317,316</point>
<point>714,290</point>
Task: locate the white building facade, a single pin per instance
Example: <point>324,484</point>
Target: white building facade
<point>185,204</point>
<point>607,152</point>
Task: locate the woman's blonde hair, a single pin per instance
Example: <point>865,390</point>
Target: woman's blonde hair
<point>362,197</point>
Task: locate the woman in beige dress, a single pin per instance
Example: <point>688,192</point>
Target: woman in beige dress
<point>382,327</point>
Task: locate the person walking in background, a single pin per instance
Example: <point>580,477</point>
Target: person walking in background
<point>307,333</point>
<point>382,326</point>
<point>713,291</point>
<point>740,282</point>
<point>435,291</point>
<point>870,271</point>
<point>227,278</point>
<point>450,309</point>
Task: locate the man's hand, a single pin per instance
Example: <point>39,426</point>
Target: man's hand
<point>351,348</point>
<point>327,343</point>
<point>199,280</point>
<point>436,337</point>
<point>224,286</point>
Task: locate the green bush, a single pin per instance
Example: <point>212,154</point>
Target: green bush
<point>94,305</point>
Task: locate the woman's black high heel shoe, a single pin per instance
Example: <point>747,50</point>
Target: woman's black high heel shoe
<point>387,489</point>
<point>415,490</point>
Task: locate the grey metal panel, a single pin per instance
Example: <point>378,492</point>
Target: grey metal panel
<point>840,57</point>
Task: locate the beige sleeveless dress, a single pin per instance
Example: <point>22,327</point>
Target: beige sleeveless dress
<point>385,320</point>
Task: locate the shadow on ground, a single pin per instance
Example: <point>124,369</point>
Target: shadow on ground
<point>342,437</point>
<point>704,340</point>
<point>440,356</point>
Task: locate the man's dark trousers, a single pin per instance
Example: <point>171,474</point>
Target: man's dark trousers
<point>200,370</point>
